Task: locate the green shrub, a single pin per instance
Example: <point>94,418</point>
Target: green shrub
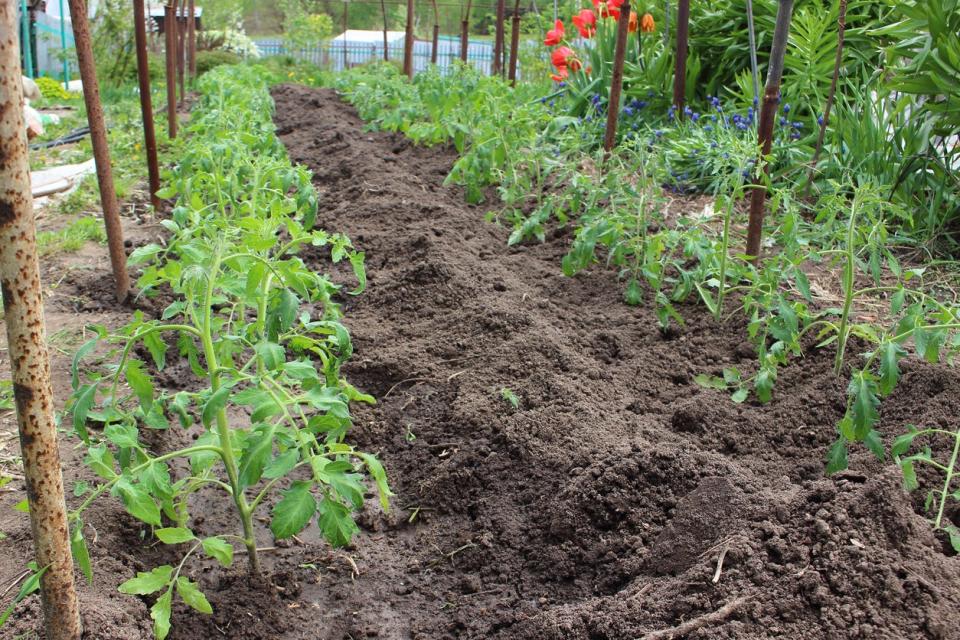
<point>207,60</point>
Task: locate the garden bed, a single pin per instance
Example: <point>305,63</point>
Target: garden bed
<point>616,499</point>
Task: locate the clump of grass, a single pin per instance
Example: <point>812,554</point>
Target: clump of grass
<point>72,237</point>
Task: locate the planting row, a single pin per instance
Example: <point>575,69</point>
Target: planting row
<point>264,339</point>
<point>549,170</point>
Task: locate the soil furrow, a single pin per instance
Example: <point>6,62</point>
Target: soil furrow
<point>599,506</point>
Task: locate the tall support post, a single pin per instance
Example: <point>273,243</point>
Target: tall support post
<point>26,342</point>
<point>101,150</point>
<point>386,43</point>
<point>63,48</point>
<point>680,72</point>
<point>408,42</point>
<point>616,80</point>
<point>436,34</point>
<point>192,39</point>
<point>465,33</point>
<point>181,50</point>
<point>146,101</point>
<point>25,33</point>
<point>345,20</point>
<point>170,46</point>
<point>514,43</point>
<point>498,41</point>
<point>752,37</point>
<point>831,95</point>
<point>768,111</point>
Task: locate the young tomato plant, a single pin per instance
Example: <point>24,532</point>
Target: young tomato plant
<point>262,334</point>
<point>936,498</point>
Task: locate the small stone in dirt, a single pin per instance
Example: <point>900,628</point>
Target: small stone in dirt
<point>499,286</point>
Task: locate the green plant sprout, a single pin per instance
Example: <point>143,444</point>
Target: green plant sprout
<point>936,498</point>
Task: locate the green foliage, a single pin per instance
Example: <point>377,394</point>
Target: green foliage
<point>30,585</point>
<point>207,60</point>
<point>301,28</point>
<point>937,498</point>
<point>261,332</point>
<point>53,89</point>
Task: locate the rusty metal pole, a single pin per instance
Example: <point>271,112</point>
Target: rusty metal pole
<point>841,28</point>
<point>169,20</point>
<point>680,72</point>
<point>30,364</point>
<point>464,39</point>
<point>101,150</point>
<point>408,43</point>
<point>386,44</point>
<point>192,40</point>
<point>181,51</point>
<point>498,41</point>
<point>616,80</point>
<point>436,34</point>
<point>768,111</point>
<point>146,102</point>
<point>514,43</point>
<point>345,20</point>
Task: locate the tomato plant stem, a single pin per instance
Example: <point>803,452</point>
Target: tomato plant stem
<point>222,424</point>
<point>948,480</point>
<point>848,292</point>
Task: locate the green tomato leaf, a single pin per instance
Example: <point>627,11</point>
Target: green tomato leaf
<point>837,457</point>
<point>379,476</point>
<point>214,404</point>
<point>147,582</point>
<point>81,554</point>
<point>294,511</point>
<point>256,452</point>
<point>336,522</point>
<point>141,383</point>
<point>174,535</point>
<point>160,613</point>
<point>192,595</point>
<point>219,550</point>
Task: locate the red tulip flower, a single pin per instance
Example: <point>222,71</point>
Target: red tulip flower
<point>560,75</point>
<point>586,23</point>
<point>608,8</point>
<point>555,35</point>
<point>561,57</point>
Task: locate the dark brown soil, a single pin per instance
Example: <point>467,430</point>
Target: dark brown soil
<point>601,506</point>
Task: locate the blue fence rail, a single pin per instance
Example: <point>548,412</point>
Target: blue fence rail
<point>336,56</point>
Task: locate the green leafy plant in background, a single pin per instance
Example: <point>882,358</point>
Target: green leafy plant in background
<point>262,334</point>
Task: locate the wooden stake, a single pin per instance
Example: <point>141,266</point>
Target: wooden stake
<point>514,43</point>
<point>408,42</point>
<point>680,73</point>
<point>386,44</point>
<point>616,80</point>
<point>768,111</point>
<point>146,102</point>
<point>101,149</point>
<point>497,68</point>
<point>30,364</point>
<point>192,40</point>
<point>170,45</point>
